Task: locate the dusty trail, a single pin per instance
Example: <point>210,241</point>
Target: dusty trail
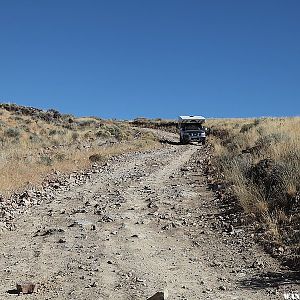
<point>142,224</point>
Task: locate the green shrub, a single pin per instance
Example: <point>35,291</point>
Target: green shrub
<point>247,127</point>
<point>60,156</point>
<point>86,123</point>
<point>75,136</point>
<point>102,133</point>
<point>12,133</point>
<point>46,160</point>
<point>52,132</point>
<point>34,138</point>
<point>97,158</point>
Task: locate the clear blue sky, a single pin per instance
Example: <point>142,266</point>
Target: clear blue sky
<point>158,58</point>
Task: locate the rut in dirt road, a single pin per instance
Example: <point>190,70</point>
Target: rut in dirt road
<point>142,224</point>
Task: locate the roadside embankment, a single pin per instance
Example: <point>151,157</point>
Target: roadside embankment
<point>256,164</point>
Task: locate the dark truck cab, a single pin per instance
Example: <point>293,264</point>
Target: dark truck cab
<point>191,129</point>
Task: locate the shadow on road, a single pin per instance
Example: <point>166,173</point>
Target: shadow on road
<point>176,143</point>
<point>12,292</point>
<point>164,141</point>
<point>271,279</point>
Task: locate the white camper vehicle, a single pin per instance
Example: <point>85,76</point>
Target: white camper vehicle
<point>191,129</point>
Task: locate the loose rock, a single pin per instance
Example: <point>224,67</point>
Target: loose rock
<point>25,287</point>
<point>159,296</point>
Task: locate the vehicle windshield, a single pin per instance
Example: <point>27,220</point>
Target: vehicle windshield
<point>191,126</point>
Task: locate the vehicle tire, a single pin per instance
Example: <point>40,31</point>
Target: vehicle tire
<point>203,142</point>
<point>185,141</point>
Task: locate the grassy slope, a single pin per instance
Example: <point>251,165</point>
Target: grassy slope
<point>33,144</point>
<point>260,160</point>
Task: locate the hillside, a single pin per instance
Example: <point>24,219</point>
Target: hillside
<point>257,163</point>
<point>35,143</point>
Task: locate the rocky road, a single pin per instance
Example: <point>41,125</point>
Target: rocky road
<point>144,223</point>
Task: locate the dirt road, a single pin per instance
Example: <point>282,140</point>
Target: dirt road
<point>144,223</point>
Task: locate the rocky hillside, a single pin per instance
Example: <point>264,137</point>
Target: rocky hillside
<point>257,163</point>
<point>35,143</point>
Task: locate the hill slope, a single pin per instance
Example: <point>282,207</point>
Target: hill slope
<point>35,143</point>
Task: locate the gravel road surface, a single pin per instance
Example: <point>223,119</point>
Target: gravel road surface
<point>144,223</point>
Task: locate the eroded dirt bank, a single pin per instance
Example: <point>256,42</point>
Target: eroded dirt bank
<point>144,223</point>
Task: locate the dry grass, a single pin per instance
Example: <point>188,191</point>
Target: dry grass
<point>166,125</point>
<point>260,158</point>
<point>32,147</point>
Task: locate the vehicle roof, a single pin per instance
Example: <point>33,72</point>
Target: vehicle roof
<point>191,118</point>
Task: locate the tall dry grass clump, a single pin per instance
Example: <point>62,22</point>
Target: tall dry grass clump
<point>260,159</point>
